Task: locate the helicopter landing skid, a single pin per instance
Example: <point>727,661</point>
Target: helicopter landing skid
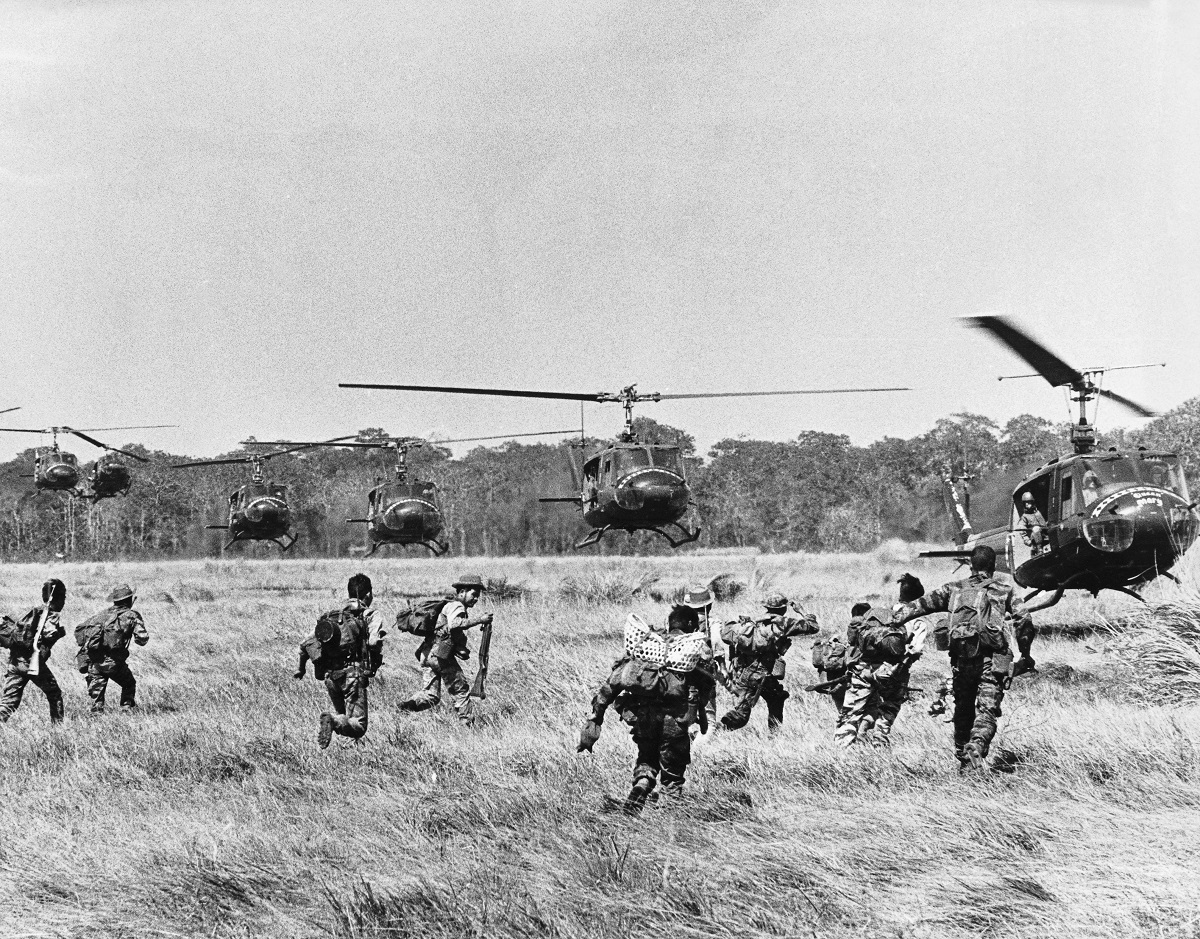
<point>592,537</point>
<point>436,548</point>
<point>1128,593</point>
<point>1042,604</point>
<point>688,536</point>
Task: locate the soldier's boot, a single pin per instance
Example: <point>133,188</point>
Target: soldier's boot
<point>325,732</point>
<point>638,795</point>
<point>1026,666</point>
<point>971,760</point>
<point>881,733</point>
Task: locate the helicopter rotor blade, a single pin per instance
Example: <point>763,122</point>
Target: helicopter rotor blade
<point>7,410</point>
<point>535,433</point>
<point>103,446</point>
<point>1133,406</point>
<point>763,394</point>
<point>501,392</point>
<point>97,430</point>
<point>21,430</point>
<point>1040,359</point>
<point>235,459</point>
<point>303,444</point>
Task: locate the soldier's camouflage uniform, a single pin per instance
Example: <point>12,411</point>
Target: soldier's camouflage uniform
<point>759,674</point>
<point>112,664</point>
<point>878,685</point>
<point>18,675</point>
<point>441,655</point>
<point>659,725</point>
<point>350,666</point>
<point>979,680</point>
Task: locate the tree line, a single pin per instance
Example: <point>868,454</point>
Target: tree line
<point>815,492</point>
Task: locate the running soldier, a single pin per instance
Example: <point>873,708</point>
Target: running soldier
<point>832,655</point>
<point>883,653</point>
<point>700,600</point>
<point>443,651</point>
<point>756,664</point>
<point>659,688</point>
<point>103,642</point>
<point>29,653</point>
<point>985,622</point>
<point>346,650</point>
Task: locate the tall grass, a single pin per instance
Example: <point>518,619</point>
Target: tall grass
<point>211,812</point>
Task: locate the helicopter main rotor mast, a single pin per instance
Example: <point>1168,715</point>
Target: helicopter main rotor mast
<point>1058,373</point>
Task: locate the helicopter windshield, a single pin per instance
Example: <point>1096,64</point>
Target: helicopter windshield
<point>61,456</point>
<point>626,461</point>
<point>1100,476</point>
<point>1165,471</point>
<point>263,490</point>
<point>666,458</point>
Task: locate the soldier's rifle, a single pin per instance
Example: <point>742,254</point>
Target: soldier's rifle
<point>485,648</point>
<point>35,659</point>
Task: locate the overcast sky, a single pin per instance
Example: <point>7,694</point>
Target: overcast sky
<point>212,213</point>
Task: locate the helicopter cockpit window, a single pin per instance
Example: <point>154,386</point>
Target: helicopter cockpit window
<point>1165,471</point>
<point>69,458</point>
<point>1101,475</point>
<point>666,458</point>
<point>625,461</point>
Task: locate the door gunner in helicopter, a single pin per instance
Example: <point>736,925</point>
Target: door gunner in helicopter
<point>1034,524</point>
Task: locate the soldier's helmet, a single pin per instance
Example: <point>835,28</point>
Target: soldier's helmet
<point>120,592</point>
<point>697,597</point>
<point>1027,498</point>
<point>775,601</point>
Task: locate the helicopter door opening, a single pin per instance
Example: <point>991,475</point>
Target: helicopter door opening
<point>1029,531</point>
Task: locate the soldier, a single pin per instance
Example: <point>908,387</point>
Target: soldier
<point>442,651</point>
<point>659,702</point>
<point>983,614</point>
<point>831,657</point>
<point>104,648</point>
<point>27,664</point>
<point>349,657</point>
<point>881,657</point>
<point>1033,523</point>
<point>700,600</point>
<point>756,665</point>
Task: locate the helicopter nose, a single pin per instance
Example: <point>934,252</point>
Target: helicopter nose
<point>1142,517</point>
<point>62,474</point>
<point>404,518</point>
<point>265,512</point>
<point>654,491</point>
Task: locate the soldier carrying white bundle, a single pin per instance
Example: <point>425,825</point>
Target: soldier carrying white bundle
<point>659,688</point>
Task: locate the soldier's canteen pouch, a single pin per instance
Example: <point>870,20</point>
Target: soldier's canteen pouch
<point>779,669</point>
<point>1002,663</point>
<point>642,642</point>
<point>941,635</point>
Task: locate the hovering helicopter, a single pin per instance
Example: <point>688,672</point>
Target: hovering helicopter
<point>258,511</point>
<point>628,485</point>
<point>402,511</point>
<point>56,470</point>
<point>1112,520</point>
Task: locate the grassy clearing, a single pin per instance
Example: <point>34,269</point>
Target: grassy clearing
<point>212,813</point>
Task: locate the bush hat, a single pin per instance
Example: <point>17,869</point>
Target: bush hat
<point>120,592</point>
<point>468,581</point>
<point>697,597</point>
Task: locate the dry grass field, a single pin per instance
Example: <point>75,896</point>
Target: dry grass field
<point>211,812</point>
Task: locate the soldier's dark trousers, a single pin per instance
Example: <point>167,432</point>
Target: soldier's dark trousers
<point>664,749</point>
<point>348,695</point>
<point>750,684</point>
<point>14,688</point>
<point>978,693</point>
<point>98,676</point>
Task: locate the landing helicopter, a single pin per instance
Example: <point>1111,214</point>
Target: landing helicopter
<point>56,470</point>
<point>402,511</point>
<point>258,511</point>
<point>628,485</point>
<point>1108,520</point>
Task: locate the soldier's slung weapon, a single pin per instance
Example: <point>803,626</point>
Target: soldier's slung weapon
<point>35,660</point>
<point>485,648</point>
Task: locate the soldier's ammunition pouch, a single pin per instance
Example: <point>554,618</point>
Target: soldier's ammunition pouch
<point>1002,664</point>
<point>941,635</point>
<point>779,669</point>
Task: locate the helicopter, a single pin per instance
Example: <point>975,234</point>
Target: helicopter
<point>258,510</point>
<point>56,470</point>
<point>1113,520</point>
<point>628,485</point>
<point>401,511</point>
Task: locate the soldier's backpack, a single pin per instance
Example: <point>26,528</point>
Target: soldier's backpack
<point>420,618</point>
<point>347,642</point>
<point>102,636</point>
<point>831,655</point>
<point>976,621</point>
<point>18,633</point>
<point>880,639</point>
